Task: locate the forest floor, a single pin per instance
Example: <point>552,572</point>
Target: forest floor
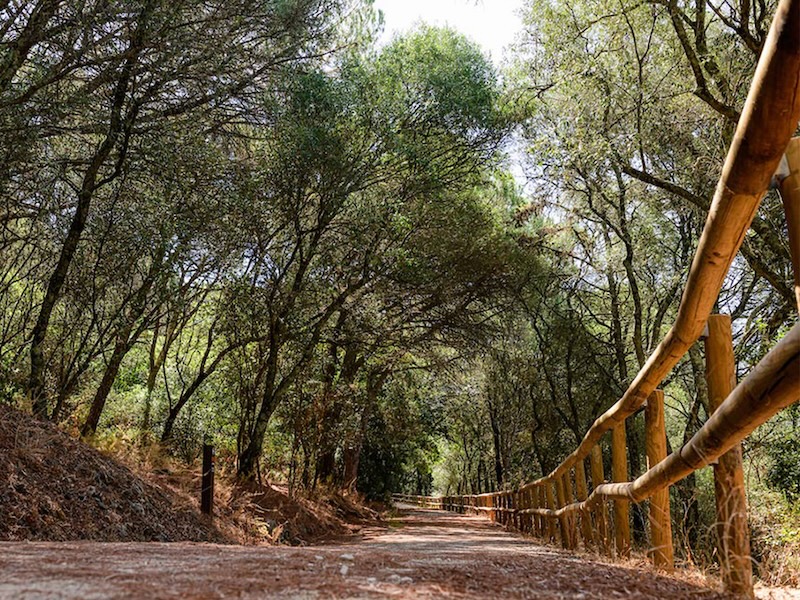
<point>418,554</point>
<point>54,487</point>
<point>79,523</point>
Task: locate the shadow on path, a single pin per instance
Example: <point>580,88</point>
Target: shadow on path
<point>422,554</point>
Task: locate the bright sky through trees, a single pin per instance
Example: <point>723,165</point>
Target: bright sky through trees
<point>491,23</point>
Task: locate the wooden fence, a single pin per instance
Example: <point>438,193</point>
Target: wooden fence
<point>562,504</point>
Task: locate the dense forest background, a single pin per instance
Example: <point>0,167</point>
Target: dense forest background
<point>246,221</point>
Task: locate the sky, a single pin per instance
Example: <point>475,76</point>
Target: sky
<point>491,23</point>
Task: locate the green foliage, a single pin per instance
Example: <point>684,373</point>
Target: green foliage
<point>259,227</point>
<point>784,472</point>
<point>399,445</point>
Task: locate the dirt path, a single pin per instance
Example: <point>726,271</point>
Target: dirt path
<point>423,554</point>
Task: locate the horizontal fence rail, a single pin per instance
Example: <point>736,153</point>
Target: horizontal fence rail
<point>556,502</point>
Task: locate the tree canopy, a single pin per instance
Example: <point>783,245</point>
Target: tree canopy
<point>251,222</point>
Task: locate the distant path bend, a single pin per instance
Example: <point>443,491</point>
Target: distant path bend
<point>422,554</point>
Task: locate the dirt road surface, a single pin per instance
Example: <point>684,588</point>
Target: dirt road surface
<point>422,554</point>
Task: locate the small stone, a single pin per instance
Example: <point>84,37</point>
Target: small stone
<point>347,557</point>
<point>344,569</point>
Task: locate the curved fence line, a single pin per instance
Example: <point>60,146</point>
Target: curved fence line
<point>551,505</point>
<point>768,121</point>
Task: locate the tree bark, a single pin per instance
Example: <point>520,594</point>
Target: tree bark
<point>117,125</point>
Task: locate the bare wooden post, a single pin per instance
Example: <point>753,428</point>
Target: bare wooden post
<point>790,193</point>
<point>498,503</point>
<point>524,504</point>
<point>619,472</point>
<point>527,503</point>
<point>551,504</point>
<point>570,518</point>
<point>543,528</point>
<point>498,500</point>
<point>582,493</point>
<point>732,529</point>
<point>660,520</point>
<point>531,503</point>
<point>562,520</point>
<point>207,481</point>
<point>601,507</point>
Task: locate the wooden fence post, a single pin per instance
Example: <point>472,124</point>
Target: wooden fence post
<point>499,503</point>
<point>562,520</point>
<point>790,194</point>
<point>732,530</point>
<point>571,517</point>
<point>660,519</point>
<point>601,507</point>
<point>527,503</point>
<point>531,504</point>
<point>207,481</point>
<point>619,472</point>
<point>582,493</point>
<point>551,504</point>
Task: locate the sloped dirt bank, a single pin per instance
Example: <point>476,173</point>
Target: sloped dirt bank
<point>53,487</point>
<point>56,488</point>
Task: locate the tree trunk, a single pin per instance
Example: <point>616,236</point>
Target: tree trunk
<point>169,424</point>
<point>687,488</point>
<point>61,399</point>
<point>352,455</point>
<point>498,458</point>
<point>635,452</point>
<point>156,361</point>
<point>109,376</point>
<point>88,187</point>
<point>326,467</point>
<point>249,457</point>
<point>352,458</point>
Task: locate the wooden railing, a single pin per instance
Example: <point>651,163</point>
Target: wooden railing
<point>552,505</point>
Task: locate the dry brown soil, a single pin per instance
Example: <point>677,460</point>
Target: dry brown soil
<point>421,554</point>
<point>57,488</point>
<point>53,487</point>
